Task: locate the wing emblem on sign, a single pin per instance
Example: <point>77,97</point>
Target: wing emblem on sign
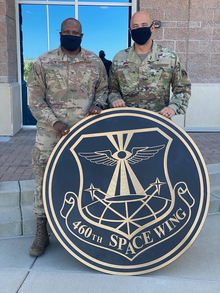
<point>129,191</point>
<point>100,157</point>
<point>106,158</point>
<point>122,160</point>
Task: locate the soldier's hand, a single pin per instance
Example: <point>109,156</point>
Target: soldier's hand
<point>167,112</point>
<point>94,110</point>
<point>118,103</point>
<point>61,128</point>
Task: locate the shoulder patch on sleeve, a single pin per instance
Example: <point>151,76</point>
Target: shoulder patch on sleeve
<point>184,73</point>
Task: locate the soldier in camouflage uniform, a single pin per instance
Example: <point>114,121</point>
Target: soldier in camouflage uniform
<point>141,75</point>
<point>64,86</point>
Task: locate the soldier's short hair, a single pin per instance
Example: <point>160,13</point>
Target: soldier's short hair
<point>72,19</point>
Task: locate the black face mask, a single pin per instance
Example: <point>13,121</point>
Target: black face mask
<point>141,35</point>
<point>70,43</point>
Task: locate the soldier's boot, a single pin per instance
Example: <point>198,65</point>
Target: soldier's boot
<point>41,238</point>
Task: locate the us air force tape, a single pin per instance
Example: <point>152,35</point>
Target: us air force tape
<point>126,191</point>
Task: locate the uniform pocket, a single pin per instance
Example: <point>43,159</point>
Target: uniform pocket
<point>128,80</point>
<point>86,79</point>
<point>55,80</point>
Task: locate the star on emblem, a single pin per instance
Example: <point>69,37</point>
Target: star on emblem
<point>92,190</point>
<point>157,184</point>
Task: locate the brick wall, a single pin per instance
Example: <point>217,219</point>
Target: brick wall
<point>8,51</point>
<point>192,29</point>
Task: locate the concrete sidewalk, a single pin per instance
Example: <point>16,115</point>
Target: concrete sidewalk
<point>196,271</point>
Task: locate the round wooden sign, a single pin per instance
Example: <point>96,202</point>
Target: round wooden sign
<point>126,192</point>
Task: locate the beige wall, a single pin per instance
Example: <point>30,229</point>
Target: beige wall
<point>10,110</point>
<point>202,113</point>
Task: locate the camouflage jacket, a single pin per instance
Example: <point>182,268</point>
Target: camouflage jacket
<point>63,89</point>
<point>147,84</point>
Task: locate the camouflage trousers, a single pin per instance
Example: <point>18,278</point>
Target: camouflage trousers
<point>46,140</point>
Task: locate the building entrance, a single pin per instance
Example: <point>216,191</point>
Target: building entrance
<point>104,25</point>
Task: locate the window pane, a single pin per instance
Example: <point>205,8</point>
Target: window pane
<point>34,28</point>
<point>104,28</point>
<point>57,14</point>
<point>34,31</point>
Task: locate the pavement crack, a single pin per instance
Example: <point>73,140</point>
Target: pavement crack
<point>25,278</point>
<point>22,232</point>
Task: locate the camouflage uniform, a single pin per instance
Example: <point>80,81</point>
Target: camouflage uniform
<point>63,89</point>
<point>146,84</point>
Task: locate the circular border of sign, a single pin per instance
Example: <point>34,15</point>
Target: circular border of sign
<point>126,192</point>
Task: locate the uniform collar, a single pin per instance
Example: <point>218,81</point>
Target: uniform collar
<point>151,57</point>
<point>62,56</point>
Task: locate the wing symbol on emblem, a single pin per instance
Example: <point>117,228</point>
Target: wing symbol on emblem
<point>138,154</point>
<point>144,153</point>
<point>100,157</point>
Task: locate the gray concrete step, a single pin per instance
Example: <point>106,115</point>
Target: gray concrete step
<point>16,209</point>
<point>214,177</point>
<point>16,204</point>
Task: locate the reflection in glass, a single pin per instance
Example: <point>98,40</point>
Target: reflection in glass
<point>57,14</point>
<point>104,28</point>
